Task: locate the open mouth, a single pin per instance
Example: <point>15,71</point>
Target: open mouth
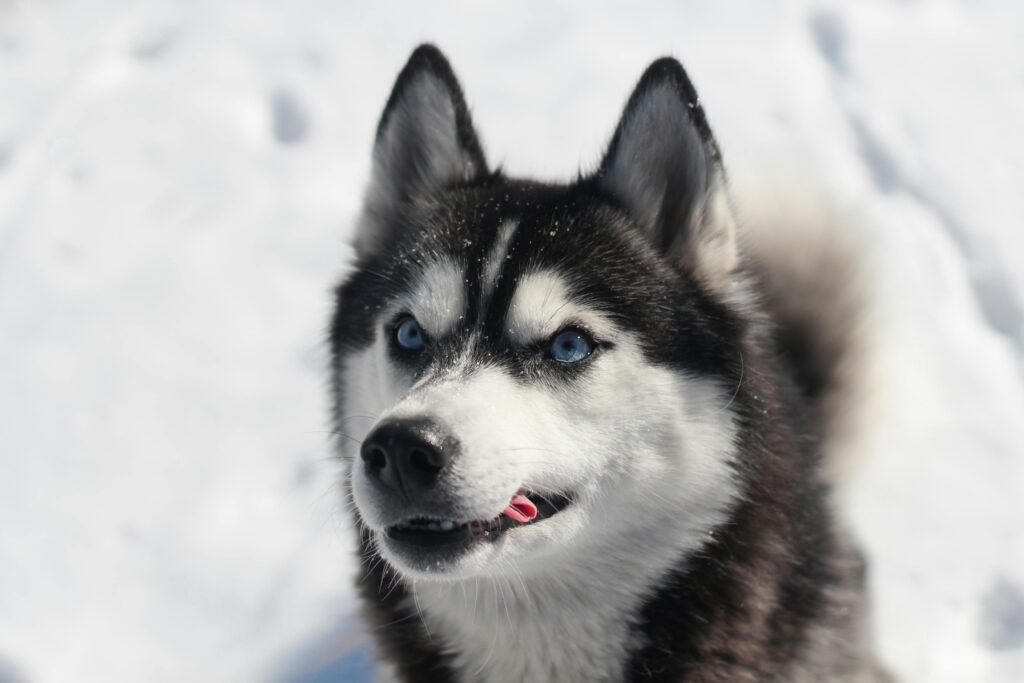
<point>524,509</point>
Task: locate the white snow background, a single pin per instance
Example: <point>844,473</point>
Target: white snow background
<point>177,183</point>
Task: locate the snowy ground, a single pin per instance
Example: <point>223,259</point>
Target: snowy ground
<point>177,179</point>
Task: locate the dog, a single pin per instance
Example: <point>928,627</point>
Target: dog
<point>584,426</point>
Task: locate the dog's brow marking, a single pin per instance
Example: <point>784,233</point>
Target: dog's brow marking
<point>536,304</point>
<point>439,298</point>
<point>495,261</point>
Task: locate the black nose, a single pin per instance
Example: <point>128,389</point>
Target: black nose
<point>407,455</point>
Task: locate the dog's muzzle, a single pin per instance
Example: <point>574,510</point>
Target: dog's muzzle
<point>405,462</point>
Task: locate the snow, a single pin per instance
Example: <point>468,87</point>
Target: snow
<point>177,181</point>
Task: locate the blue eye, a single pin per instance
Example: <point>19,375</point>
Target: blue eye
<point>409,335</point>
<point>570,346</point>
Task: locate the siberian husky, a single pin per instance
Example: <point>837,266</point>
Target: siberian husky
<point>582,425</point>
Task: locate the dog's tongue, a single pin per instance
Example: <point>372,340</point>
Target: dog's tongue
<point>520,508</point>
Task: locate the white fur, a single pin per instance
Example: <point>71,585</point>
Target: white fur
<point>555,603</point>
<point>492,269</point>
<point>437,297</point>
<point>374,385</point>
<point>645,449</point>
<point>541,305</point>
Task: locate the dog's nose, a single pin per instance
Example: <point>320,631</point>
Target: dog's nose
<point>407,455</point>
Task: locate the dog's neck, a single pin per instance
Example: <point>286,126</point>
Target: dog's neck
<point>572,623</point>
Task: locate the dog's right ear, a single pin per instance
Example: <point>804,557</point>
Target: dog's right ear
<point>663,166</point>
<point>425,142</point>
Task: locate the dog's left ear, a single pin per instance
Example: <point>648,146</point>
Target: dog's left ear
<point>425,142</point>
<point>664,166</point>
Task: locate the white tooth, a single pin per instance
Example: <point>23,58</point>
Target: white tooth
<point>447,525</point>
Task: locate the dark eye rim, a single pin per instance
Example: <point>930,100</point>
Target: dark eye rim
<point>596,345</point>
<point>396,324</point>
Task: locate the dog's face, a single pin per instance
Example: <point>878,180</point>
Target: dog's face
<point>526,372</point>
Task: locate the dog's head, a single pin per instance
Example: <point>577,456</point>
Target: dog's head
<point>525,371</point>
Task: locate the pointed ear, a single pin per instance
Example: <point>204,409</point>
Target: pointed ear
<point>664,167</point>
<point>425,142</point>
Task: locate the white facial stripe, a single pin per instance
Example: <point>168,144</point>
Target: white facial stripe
<point>438,298</point>
<point>372,385</point>
<point>495,260</point>
<point>541,306</point>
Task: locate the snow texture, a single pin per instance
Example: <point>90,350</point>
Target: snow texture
<point>177,183</point>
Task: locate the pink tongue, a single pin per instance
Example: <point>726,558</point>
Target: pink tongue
<point>520,508</point>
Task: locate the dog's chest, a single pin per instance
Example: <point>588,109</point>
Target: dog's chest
<point>496,634</point>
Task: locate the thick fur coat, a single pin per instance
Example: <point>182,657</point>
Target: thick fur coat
<point>616,353</point>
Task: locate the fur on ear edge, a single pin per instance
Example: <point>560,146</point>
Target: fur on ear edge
<point>425,141</point>
<point>664,165</point>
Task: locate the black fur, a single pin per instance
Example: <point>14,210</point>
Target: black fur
<point>663,163</point>
<point>704,624</point>
<point>741,610</point>
<point>428,59</point>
